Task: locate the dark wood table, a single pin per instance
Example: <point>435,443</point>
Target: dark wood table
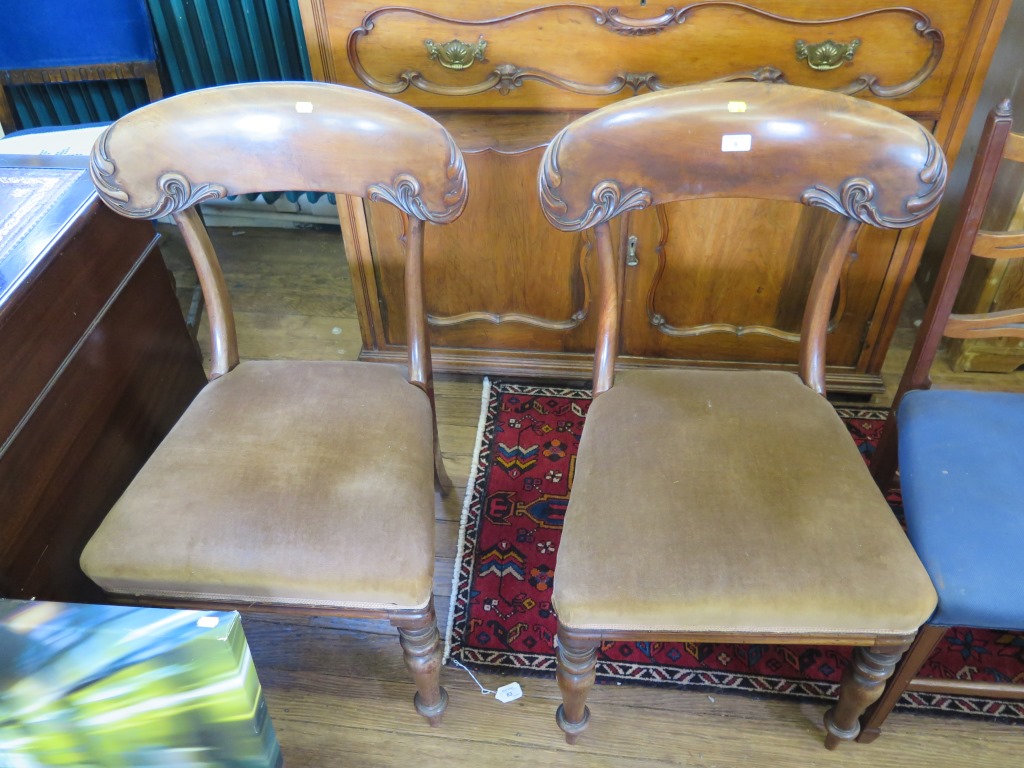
<point>96,365</point>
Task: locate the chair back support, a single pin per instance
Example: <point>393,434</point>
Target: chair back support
<point>967,239</point>
<point>167,157</point>
<point>971,240</point>
<point>863,161</point>
<point>260,137</point>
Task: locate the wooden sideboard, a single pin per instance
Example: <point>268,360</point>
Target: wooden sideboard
<point>97,367</point>
<point>508,294</point>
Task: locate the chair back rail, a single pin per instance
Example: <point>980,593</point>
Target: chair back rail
<point>752,140</point>
<point>997,143</point>
<point>261,137</point>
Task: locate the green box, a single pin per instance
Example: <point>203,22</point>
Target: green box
<point>100,685</point>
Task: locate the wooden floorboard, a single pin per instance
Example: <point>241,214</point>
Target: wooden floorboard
<point>337,690</point>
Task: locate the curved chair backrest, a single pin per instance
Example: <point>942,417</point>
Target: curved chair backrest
<point>863,161</point>
<point>167,157</point>
<point>756,140</point>
<point>261,137</point>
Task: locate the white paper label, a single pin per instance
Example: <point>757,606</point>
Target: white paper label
<point>736,142</point>
<point>508,693</point>
<point>304,107</point>
<point>208,622</point>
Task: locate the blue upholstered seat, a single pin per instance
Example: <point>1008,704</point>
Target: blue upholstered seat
<point>962,472</point>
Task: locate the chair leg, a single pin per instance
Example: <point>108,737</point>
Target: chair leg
<point>576,664</point>
<point>871,721</point>
<point>442,483</point>
<point>862,683</point>
<point>421,646</point>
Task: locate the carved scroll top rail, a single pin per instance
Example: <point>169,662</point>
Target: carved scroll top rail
<point>174,191</point>
<point>855,198</point>
<point>608,199</point>
<point>650,179</point>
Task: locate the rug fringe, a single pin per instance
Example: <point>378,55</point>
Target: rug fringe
<point>485,399</point>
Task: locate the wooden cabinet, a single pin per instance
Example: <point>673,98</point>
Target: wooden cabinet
<point>508,294</point>
<point>97,367</point>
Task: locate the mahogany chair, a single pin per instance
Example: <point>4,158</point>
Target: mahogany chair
<point>961,453</point>
<point>287,485</point>
<point>722,505</point>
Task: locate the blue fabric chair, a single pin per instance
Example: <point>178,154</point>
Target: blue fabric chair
<point>61,41</point>
<point>961,455</point>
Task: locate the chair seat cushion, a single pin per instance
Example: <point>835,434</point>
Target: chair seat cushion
<point>962,473</point>
<point>734,502</point>
<point>286,482</point>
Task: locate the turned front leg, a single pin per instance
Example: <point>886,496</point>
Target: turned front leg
<point>421,646</point>
<point>862,684</point>
<point>576,665</point>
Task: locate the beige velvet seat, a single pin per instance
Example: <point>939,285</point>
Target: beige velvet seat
<point>723,505</point>
<point>287,484</point>
<point>750,477</point>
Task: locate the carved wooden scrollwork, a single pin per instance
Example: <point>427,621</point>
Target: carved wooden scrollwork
<point>176,192</point>
<point>506,76</point>
<point>495,318</point>
<point>404,191</point>
<point>607,198</point>
<point>855,196</point>
<point>659,321</point>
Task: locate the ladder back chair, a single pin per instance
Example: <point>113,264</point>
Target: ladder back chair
<point>961,452</point>
<point>287,485</point>
<point>720,505</point>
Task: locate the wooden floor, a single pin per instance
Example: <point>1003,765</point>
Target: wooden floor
<point>338,692</point>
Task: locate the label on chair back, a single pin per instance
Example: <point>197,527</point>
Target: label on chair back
<point>736,142</point>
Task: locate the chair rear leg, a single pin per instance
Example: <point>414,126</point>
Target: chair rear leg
<point>421,646</point>
<point>913,660</point>
<point>577,661</point>
<point>442,483</point>
<point>862,683</point>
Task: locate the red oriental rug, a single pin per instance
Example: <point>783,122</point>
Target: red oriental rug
<point>501,617</point>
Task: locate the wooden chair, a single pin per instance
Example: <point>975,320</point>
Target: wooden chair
<point>287,485</point>
<point>53,41</point>
<point>722,505</point>
<point>961,453</point>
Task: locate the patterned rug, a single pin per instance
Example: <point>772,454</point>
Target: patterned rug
<point>501,617</point>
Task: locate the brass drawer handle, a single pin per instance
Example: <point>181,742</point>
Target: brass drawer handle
<point>827,55</point>
<point>456,54</point>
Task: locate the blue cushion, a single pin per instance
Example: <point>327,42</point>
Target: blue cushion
<point>55,33</point>
<point>962,473</point>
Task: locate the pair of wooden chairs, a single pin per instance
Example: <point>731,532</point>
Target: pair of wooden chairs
<point>307,486</point>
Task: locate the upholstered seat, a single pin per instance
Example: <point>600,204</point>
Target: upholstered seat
<point>961,467</point>
<point>760,472</point>
<point>357,477</point>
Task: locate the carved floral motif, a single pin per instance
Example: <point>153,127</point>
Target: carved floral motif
<point>855,196</point>
<point>176,191</point>
<point>608,198</point>
<point>404,191</point>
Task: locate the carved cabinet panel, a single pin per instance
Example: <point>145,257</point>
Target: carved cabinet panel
<point>509,294</point>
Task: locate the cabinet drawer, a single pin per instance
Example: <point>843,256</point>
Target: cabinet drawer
<point>529,55</point>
